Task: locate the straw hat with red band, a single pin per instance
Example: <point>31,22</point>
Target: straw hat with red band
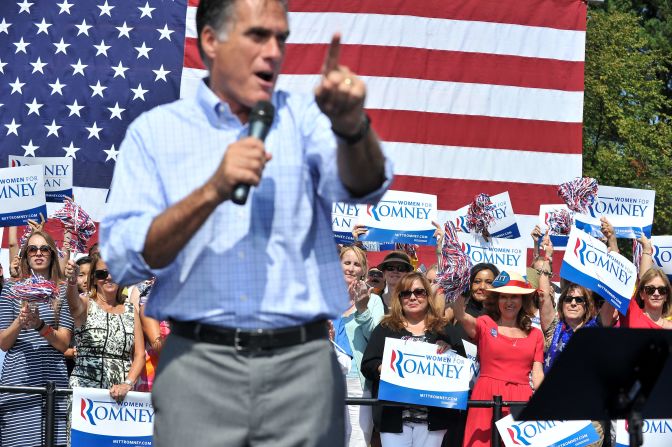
<point>511,283</point>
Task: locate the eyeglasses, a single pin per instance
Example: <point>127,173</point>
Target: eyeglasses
<point>33,249</point>
<point>375,274</point>
<point>419,293</point>
<point>101,274</point>
<point>397,268</point>
<point>579,299</point>
<point>650,290</point>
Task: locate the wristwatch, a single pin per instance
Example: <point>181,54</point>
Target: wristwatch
<point>128,382</point>
<point>355,138</point>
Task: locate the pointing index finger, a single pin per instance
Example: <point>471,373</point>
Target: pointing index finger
<point>331,60</point>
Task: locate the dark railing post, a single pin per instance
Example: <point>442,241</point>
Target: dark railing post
<point>496,415</point>
<point>51,412</point>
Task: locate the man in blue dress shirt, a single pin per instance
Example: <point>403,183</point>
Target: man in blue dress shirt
<point>247,288</point>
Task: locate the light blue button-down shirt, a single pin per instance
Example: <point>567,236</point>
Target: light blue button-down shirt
<point>269,263</point>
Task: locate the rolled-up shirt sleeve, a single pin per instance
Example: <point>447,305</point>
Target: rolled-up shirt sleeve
<point>136,198</point>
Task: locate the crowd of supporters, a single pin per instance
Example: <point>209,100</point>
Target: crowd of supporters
<point>94,333</point>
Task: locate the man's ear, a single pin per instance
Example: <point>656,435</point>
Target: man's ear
<point>208,42</point>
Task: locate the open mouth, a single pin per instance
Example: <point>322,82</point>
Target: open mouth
<point>266,76</point>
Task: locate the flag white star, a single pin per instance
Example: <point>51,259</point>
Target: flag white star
<point>143,51</point>
<point>4,26</point>
<point>34,107</point>
<point>102,48</point>
<point>30,149</point>
<point>25,6</point>
<point>161,74</point>
<point>146,10</point>
<point>78,67</point>
<point>53,128</point>
<point>74,108</point>
<point>43,27</point>
<point>21,46</point>
<point>119,70</point>
<point>94,131</point>
<point>139,92</point>
<point>65,7</point>
<point>124,30</point>
<point>38,65</point>
<point>13,127</point>
<point>165,32</point>
<point>61,47</point>
<point>111,153</point>
<point>57,87</point>
<point>83,28</point>
<point>17,86</point>
<point>2,66</point>
<point>115,111</point>
<point>105,9</point>
<point>71,150</point>
<point>97,89</point>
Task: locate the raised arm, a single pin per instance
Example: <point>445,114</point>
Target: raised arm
<point>646,262</point>
<point>77,303</point>
<point>546,310</point>
<point>467,321</point>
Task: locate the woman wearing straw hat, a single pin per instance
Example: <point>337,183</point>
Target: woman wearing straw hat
<point>508,349</point>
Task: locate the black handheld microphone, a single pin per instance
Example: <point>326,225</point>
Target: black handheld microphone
<point>261,119</point>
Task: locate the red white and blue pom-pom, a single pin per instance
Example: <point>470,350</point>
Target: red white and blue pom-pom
<point>579,193</point>
<point>76,222</point>
<point>560,222</point>
<point>455,265</point>
<point>410,249</point>
<point>34,289</point>
<point>480,215</point>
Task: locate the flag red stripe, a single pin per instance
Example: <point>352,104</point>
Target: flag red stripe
<point>558,14</point>
<point>455,193</point>
<point>449,66</point>
<point>477,131</point>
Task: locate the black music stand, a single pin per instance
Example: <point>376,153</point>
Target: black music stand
<point>604,374</point>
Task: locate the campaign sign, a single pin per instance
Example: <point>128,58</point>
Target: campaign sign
<point>344,216</point>
<point>21,195</point>
<point>559,241</point>
<point>546,433</point>
<point>507,254</point>
<point>99,420</point>
<point>413,373</point>
<point>662,253</point>
<point>629,210</point>
<point>472,354</point>
<point>656,433</point>
<point>505,225</point>
<point>588,263</point>
<point>401,217</point>
<point>57,174</point>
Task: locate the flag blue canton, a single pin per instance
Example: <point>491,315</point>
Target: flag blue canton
<point>74,74</point>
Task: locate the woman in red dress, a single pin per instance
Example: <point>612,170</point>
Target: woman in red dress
<point>509,348</point>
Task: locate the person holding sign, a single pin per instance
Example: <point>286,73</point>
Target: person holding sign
<point>509,348</point>
<point>415,316</point>
<point>35,329</point>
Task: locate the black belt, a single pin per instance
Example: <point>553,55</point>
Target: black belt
<point>251,340</point>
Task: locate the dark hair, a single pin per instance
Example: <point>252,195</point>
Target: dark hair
<point>475,270</point>
<point>83,260</point>
<point>587,294</point>
<point>216,14</point>
<point>55,273</point>
<point>91,281</point>
<point>94,249</point>
<point>395,319</point>
<point>523,320</point>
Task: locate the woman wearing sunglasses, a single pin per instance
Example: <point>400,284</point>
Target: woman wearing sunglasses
<point>394,266</point>
<point>509,349</point>
<point>415,316</point>
<point>34,336</point>
<point>108,333</point>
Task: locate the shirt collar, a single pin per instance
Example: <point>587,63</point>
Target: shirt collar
<point>217,111</point>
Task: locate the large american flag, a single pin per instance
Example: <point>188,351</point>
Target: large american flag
<point>469,96</point>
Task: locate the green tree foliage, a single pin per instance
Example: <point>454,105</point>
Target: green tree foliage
<point>627,139</point>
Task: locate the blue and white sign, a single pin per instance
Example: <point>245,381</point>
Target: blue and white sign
<point>21,195</point>
<point>588,263</point>
<point>412,372</point>
<point>506,254</point>
<point>57,174</point>
<point>662,254</point>
<point>629,210</point>
<point>505,225</point>
<point>99,420</point>
<point>546,433</point>
<point>472,354</point>
<point>401,217</point>
<point>559,241</point>
<point>344,217</point>
<point>656,432</point>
